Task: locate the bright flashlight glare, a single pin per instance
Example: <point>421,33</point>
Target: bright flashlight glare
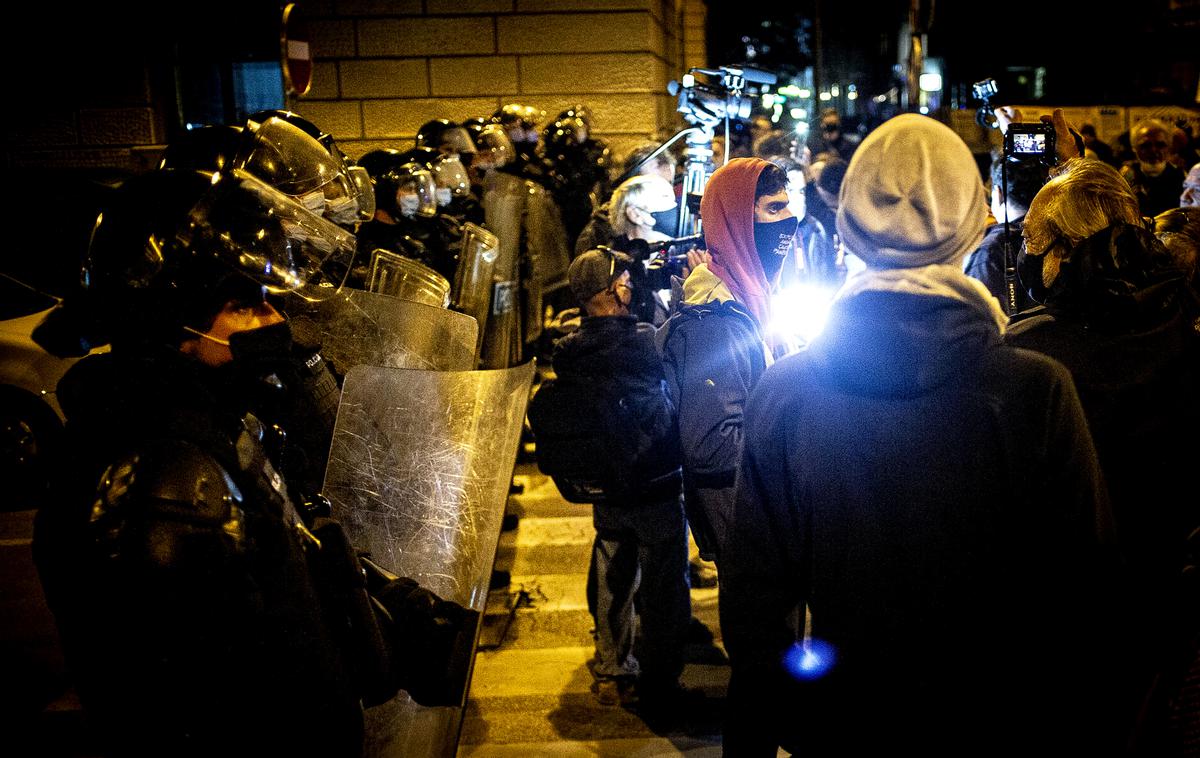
<point>810,659</point>
<point>799,311</point>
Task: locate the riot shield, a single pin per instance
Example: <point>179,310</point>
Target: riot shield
<point>504,201</point>
<point>419,473</point>
<point>359,328</point>
<point>547,238</point>
<point>546,256</point>
<point>394,274</point>
<point>472,292</point>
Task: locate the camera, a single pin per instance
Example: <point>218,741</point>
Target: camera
<point>706,96</point>
<point>668,258</point>
<point>1031,142</point>
<point>984,91</point>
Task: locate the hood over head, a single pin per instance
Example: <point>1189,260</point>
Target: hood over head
<point>727,212</point>
<point>912,196</point>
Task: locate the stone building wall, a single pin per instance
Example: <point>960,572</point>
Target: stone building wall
<point>105,95</point>
<point>382,69</point>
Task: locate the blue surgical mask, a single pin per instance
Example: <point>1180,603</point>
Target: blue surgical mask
<point>409,205</point>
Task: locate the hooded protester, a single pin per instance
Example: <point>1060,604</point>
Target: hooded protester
<point>905,480</point>
<point>713,346</point>
<point>1119,313</point>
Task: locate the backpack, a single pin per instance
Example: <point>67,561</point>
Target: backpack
<point>593,445</point>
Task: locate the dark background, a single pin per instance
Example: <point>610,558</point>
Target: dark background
<point>1140,54</point>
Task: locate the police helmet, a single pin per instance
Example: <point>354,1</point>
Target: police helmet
<point>494,148</point>
<point>403,187</point>
<point>520,121</point>
<point>174,246</point>
<point>279,153</point>
<point>357,183</point>
<point>569,132</point>
<point>449,175</point>
<point>444,136</point>
<point>207,148</point>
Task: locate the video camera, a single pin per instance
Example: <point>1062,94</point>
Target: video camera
<point>706,96</point>
<point>984,91</point>
<point>668,258</point>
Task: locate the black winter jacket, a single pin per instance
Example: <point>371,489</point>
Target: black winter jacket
<point>915,485</point>
<point>615,356</point>
<point>713,354</point>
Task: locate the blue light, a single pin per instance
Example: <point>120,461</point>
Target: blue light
<point>809,660</point>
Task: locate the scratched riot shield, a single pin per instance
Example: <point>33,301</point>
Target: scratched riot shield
<point>472,292</point>
<point>504,199</point>
<point>419,473</point>
<point>360,328</point>
<point>396,275</point>
<point>546,243</point>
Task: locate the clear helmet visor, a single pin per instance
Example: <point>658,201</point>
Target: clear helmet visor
<point>495,148</point>
<point>450,174</point>
<point>286,158</point>
<point>364,190</point>
<point>269,237</point>
<point>457,140</point>
<point>416,193</point>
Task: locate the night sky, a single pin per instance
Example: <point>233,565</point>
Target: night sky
<point>1147,53</point>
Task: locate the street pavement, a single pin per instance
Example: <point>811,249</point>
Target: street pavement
<point>531,694</point>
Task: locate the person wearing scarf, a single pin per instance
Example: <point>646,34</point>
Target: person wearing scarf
<point>908,483</point>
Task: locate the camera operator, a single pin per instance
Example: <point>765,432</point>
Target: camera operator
<point>599,231</point>
<point>631,211</point>
<point>1009,202</point>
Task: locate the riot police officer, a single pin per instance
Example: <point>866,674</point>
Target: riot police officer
<point>442,234</point>
<point>447,137</point>
<point>520,123</point>
<point>356,177</point>
<point>406,201</point>
<point>183,569</point>
<point>578,167</point>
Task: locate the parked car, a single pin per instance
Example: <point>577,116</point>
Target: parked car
<point>38,268</point>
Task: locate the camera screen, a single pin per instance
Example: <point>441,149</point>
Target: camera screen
<point>1029,143</point>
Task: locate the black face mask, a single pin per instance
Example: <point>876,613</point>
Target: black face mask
<point>773,240</point>
<point>666,221</point>
<point>262,373</point>
<point>1029,275</point>
<point>265,344</point>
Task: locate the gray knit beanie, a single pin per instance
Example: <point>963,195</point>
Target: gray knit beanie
<point>912,196</point>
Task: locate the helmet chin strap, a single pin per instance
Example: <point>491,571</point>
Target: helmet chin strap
<point>199,333</point>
